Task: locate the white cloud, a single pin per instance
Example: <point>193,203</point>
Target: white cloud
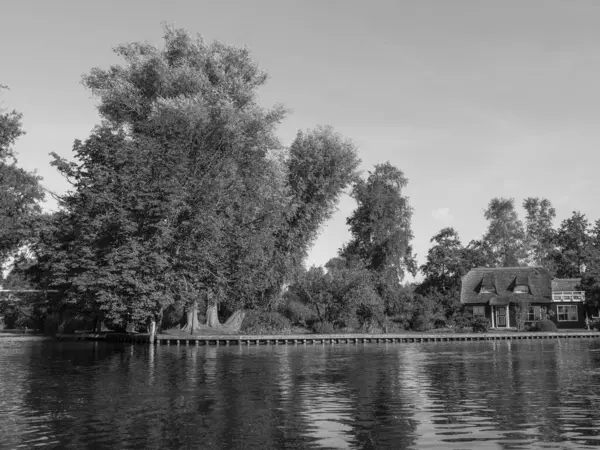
<point>443,215</point>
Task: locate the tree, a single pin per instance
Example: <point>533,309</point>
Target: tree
<point>590,281</point>
<point>477,253</point>
<point>444,265</point>
<point>380,225</point>
<point>20,191</point>
<point>505,234</point>
<point>345,295</point>
<point>572,242</point>
<point>443,270</point>
<point>184,194</point>
<point>539,231</point>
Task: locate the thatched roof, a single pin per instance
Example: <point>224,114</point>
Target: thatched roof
<point>503,281</point>
<point>566,284</point>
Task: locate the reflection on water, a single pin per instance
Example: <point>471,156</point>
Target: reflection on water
<point>498,394</point>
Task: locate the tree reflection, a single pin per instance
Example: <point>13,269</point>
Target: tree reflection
<point>94,395</point>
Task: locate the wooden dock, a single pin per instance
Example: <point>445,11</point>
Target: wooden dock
<point>322,339</point>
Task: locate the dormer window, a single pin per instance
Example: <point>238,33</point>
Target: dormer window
<point>521,289</point>
<point>488,284</point>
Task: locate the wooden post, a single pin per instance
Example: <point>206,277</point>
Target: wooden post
<point>152,330</point>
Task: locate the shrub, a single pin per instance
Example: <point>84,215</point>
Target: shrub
<point>462,321</point>
<point>480,325</point>
<point>297,312</point>
<point>323,328</point>
<point>260,322</point>
<point>399,322</point>
<point>420,322</point>
<point>544,325</point>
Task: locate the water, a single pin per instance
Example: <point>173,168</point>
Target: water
<point>467,395</point>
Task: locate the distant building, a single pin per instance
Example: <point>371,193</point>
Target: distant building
<point>495,293</point>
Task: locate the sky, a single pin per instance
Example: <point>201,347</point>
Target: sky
<point>470,99</point>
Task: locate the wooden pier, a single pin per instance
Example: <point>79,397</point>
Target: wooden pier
<point>324,339</point>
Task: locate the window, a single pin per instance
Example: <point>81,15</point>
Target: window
<point>478,311</point>
<point>487,290</point>
<point>567,313</point>
<point>521,289</point>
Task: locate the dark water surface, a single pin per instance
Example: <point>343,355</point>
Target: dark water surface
<point>501,395</point>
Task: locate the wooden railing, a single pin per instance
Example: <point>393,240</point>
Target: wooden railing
<point>568,296</point>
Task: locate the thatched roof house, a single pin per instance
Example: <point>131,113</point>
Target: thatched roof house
<point>498,293</point>
<point>499,285</point>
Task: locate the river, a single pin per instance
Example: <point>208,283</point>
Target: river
<point>463,395</point>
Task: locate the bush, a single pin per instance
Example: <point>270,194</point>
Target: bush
<point>462,321</point>
<point>260,322</point>
<point>595,324</point>
<point>297,312</point>
<point>544,325</point>
<point>480,325</point>
<point>420,322</point>
<point>323,328</point>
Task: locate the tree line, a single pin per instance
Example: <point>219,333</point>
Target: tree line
<point>185,210</point>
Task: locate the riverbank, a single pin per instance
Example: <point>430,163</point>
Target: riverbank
<point>295,339</point>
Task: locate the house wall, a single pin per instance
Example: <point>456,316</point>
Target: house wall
<point>580,323</point>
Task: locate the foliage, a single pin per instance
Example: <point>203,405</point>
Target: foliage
<point>539,232</point>
<point>184,190</point>
<point>323,328</point>
<point>480,325</point>
<point>342,295</point>
<point>544,325</point>
<point>20,191</point>
<point>462,322</point>
<point>444,266</point>
<point>380,225</point>
<point>572,246</point>
<point>594,324</point>
<point>427,313</point>
<point>22,309</point>
<point>521,313</point>
<point>297,312</point>
<point>505,234</point>
<point>399,304</point>
<point>261,322</point>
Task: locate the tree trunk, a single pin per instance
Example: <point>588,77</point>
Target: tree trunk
<point>97,325</point>
<point>212,317</point>
<point>192,324</point>
<point>234,323</point>
<point>160,320</point>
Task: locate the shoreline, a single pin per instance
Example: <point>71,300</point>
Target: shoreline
<point>338,338</point>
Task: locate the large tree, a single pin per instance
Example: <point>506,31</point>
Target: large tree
<point>443,270</point>
<point>444,266</point>
<point>448,261</point>
<point>184,193</point>
<point>539,231</point>
<point>573,243</point>
<point>590,281</point>
<point>380,226</point>
<point>505,234</point>
<point>20,191</point>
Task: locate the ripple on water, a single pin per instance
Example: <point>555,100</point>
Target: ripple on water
<point>513,395</point>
